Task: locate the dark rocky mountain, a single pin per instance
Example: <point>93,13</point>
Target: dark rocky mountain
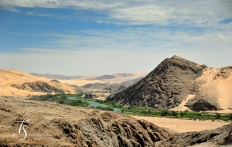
<point>164,87</point>
<point>57,77</point>
<point>38,86</point>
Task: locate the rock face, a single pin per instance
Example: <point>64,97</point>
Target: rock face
<point>218,137</point>
<point>164,87</point>
<point>201,105</point>
<point>60,125</point>
<point>38,86</point>
<point>108,131</point>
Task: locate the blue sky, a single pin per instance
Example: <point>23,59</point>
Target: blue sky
<point>86,37</point>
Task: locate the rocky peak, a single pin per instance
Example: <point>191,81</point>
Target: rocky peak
<point>164,87</point>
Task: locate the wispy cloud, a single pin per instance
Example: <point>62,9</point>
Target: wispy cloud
<point>138,39</point>
<point>194,13</point>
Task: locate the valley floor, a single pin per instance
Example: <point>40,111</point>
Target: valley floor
<point>183,125</point>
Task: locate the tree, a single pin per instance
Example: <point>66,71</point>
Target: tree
<point>230,116</point>
<point>218,115</point>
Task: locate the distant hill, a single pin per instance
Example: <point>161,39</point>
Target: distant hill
<point>113,87</point>
<point>18,83</point>
<point>179,83</point>
<point>117,75</point>
<point>103,77</point>
<point>57,77</point>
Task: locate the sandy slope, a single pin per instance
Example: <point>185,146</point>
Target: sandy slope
<point>14,76</point>
<point>215,86</point>
<point>9,77</point>
<point>182,106</point>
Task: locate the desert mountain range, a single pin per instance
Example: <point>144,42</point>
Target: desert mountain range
<point>17,83</point>
<point>177,83</point>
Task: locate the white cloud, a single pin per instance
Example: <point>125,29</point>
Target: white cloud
<point>138,39</point>
<point>187,12</point>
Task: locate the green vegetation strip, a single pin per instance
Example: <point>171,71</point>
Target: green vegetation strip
<point>62,99</point>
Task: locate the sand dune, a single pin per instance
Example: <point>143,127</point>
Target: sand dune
<point>9,77</point>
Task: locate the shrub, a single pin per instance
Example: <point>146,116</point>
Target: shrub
<point>63,97</point>
<point>144,112</point>
<point>164,112</point>
<point>174,113</point>
<point>61,102</point>
<point>104,108</point>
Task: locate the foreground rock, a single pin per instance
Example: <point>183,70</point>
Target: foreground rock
<point>51,124</point>
<point>217,137</point>
<point>59,125</point>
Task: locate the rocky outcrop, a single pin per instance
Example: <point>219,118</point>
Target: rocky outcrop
<point>60,125</point>
<point>218,137</point>
<point>164,87</point>
<point>224,72</point>
<point>202,105</point>
<point>108,131</point>
<point>38,86</point>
